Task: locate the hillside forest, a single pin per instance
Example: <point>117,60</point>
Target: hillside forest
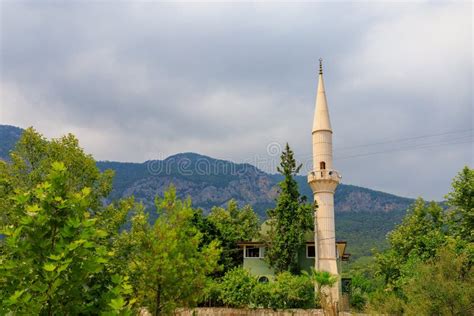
<point>67,247</point>
<point>363,216</point>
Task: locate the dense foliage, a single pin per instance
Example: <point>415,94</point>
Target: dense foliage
<point>289,221</point>
<point>55,254</point>
<point>232,225</point>
<point>63,251</point>
<point>166,264</point>
<point>240,289</point>
<point>428,268</point>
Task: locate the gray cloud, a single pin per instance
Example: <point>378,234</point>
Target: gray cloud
<point>142,80</point>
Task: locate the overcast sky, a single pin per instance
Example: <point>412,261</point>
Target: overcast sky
<point>142,80</point>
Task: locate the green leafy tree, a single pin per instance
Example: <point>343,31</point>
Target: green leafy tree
<point>32,158</point>
<point>231,225</point>
<point>428,267</point>
<point>461,199</point>
<point>166,264</point>
<point>52,249</point>
<point>443,285</point>
<point>47,190</point>
<point>416,239</point>
<point>289,220</point>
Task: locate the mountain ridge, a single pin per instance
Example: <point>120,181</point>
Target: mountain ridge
<point>196,174</point>
<point>363,216</point>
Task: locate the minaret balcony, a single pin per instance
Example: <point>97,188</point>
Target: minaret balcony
<point>324,180</point>
<point>324,174</point>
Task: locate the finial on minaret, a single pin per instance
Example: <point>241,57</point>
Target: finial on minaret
<point>320,66</point>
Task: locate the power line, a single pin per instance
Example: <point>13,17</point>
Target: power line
<point>406,139</point>
<point>421,146</point>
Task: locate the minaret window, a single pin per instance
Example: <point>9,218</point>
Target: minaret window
<point>322,165</point>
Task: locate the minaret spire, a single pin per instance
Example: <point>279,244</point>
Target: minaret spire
<point>321,115</point>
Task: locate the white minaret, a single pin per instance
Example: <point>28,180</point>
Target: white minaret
<point>323,181</point>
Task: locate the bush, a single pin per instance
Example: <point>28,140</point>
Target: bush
<point>293,291</point>
<point>240,289</point>
<point>361,288</point>
<point>263,296</point>
<point>212,294</point>
<point>237,287</point>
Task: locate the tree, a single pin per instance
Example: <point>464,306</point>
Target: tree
<point>461,199</point>
<point>416,239</point>
<point>428,267</point>
<point>443,285</point>
<point>50,192</point>
<point>166,264</point>
<point>230,226</point>
<point>289,220</point>
<point>53,249</point>
<point>32,158</point>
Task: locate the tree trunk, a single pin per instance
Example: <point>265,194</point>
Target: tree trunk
<point>158,300</point>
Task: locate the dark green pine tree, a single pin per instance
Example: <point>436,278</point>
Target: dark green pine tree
<point>289,220</point>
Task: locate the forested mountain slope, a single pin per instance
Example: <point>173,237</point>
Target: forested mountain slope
<point>363,216</point>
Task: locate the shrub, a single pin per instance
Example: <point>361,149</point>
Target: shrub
<point>212,294</point>
<point>240,289</point>
<point>361,287</point>
<point>237,287</point>
<point>293,291</point>
<point>263,296</point>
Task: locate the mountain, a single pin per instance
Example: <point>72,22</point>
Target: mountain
<point>363,216</point>
<point>9,135</point>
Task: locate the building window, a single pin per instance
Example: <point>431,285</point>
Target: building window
<point>322,165</point>
<point>310,251</point>
<point>253,252</point>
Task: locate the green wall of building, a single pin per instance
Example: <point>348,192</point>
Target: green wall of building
<point>258,266</point>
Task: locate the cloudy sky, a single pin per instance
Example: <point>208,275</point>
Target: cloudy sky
<point>144,80</point>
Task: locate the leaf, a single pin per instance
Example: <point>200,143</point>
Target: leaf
<point>86,191</point>
<point>22,198</point>
<point>63,267</point>
<point>117,303</point>
<point>89,244</point>
<point>76,244</point>
<point>55,257</point>
<point>49,267</point>
<point>89,222</point>
<point>58,166</point>
<point>116,278</point>
<point>101,260</point>
<point>101,233</point>
<point>32,208</point>
<point>14,298</point>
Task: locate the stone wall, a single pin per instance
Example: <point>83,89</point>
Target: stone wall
<point>215,311</point>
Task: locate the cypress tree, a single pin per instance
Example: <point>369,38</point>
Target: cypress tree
<point>289,220</point>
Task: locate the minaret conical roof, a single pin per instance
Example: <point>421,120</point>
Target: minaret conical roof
<point>321,115</point>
